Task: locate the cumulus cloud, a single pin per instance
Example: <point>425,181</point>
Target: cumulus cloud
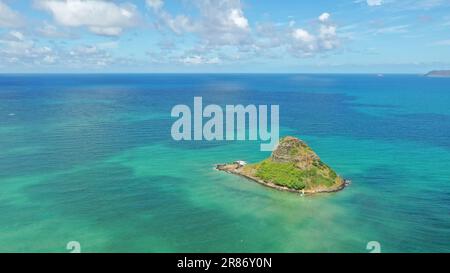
<point>20,50</point>
<point>100,17</point>
<point>8,17</point>
<point>93,55</point>
<point>324,17</point>
<point>15,48</point>
<point>220,22</point>
<point>307,43</point>
<point>223,22</point>
<point>237,18</point>
<point>212,32</point>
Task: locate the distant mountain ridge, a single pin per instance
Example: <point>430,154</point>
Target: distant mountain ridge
<point>438,73</point>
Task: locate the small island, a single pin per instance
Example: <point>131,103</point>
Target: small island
<point>293,167</point>
<point>439,73</point>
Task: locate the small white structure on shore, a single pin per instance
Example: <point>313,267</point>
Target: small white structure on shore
<point>241,163</point>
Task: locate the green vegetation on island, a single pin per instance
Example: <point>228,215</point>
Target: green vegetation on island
<point>293,166</point>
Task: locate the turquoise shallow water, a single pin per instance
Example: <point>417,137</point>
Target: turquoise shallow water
<point>90,158</point>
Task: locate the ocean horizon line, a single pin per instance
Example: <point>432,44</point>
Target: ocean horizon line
<point>212,73</point>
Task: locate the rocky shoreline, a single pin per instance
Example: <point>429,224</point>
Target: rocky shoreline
<point>237,169</point>
<point>292,167</point>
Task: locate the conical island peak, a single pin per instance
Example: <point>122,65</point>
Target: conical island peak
<point>293,166</point>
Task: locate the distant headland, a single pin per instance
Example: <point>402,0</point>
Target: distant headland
<point>438,73</point>
<point>293,167</point>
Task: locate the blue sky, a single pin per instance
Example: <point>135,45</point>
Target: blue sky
<point>322,36</point>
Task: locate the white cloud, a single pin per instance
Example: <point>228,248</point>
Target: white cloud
<point>220,22</point>
<point>328,37</point>
<point>100,17</point>
<point>16,48</point>
<point>107,31</point>
<point>374,2</point>
<point>324,17</point>
<point>178,24</point>
<point>197,60</point>
<point>307,43</point>
<point>237,17</point>
<point>19,50</point>
<point>220,30</point>
<point>17,35</point>
<point>303,36</point>
<point>304,41</point>
<point>8,17</point>
<point>223,22</point>
<point>50,31</point>
<point>223,28</point>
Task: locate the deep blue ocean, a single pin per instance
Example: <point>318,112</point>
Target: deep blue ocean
<point>90,158</point>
